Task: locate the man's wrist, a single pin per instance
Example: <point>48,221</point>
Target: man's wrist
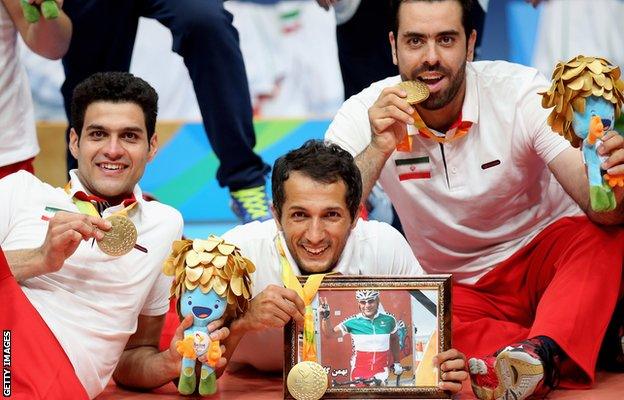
<point>378,151</point>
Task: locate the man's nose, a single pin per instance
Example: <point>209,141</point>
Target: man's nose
<point>315,232</point>
<point>113,148</point>
<point>432,58</point>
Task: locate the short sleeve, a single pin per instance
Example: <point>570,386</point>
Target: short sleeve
<point>546,143</point>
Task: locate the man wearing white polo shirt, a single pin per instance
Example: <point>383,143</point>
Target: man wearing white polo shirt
<point>79,312</point>
<point>316,202</point>
<point>489,193</point>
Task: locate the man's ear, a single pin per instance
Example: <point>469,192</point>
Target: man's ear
<point>357,216</point>
<point>275,217</point>
<point>73,142</point>
<point>395,60</point>
<point>153,147</point>
<point>472,39</point>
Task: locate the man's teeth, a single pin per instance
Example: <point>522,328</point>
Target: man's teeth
<point>111,166</point>
<point>315,251</point>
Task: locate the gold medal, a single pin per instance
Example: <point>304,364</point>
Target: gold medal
<point>417,91</point>
<point>307,381</point>
<point>121,237</point>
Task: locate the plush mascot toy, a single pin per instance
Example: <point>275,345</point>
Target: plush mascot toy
<point>587,96</point>
<point>49,9</point>
<point>211,281</point>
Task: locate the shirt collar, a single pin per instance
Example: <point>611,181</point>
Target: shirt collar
<point>77,186</point>
<point>470,108</point>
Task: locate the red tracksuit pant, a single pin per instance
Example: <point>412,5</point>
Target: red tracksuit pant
<point>564,284</point>
<point>38,366</point>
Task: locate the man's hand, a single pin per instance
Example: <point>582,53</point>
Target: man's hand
<point>215,329</point>
<point>272,308</point>
<point>326,4</point>
<point>38,2</point>
<point>452,367</point>
<point>613,147</point>
<point>65,231</point>
<point>388,117</point>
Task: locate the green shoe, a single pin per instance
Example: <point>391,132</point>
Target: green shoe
<point>251,204</point>
<point>602,198</point>
<point>187,382</point>
<point>207,383</point>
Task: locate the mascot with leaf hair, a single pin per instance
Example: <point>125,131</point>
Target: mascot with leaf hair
<point>211,280</point>
<point>586,93</point>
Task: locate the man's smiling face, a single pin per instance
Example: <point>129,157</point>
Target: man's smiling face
<point>315,222</point>
<point>112,149</point>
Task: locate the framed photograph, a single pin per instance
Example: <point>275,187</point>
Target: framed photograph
<point>376,336</point>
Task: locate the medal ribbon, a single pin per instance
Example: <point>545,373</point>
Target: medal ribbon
<point>307,293</point>
<point>406,144</point>
<point>87,207</point>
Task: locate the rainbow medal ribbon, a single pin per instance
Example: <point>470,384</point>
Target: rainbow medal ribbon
<point>307,293</point>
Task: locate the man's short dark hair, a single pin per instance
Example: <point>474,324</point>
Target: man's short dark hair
<point>322,162</point>
<point>115,87</point>
<point>467,7</point>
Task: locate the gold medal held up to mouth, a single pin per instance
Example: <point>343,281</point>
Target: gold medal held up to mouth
<point>417,91</point>
<point>307,381</point>
<point>121,237</point>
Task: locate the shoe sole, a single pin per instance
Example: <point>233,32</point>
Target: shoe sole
<point>518,375</point>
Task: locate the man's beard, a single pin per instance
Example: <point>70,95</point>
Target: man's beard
<point>435,101</point>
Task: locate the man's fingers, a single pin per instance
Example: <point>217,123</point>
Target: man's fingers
<point>452,387</point>
<point>220,334</point>
<point>214,325</point>
<point>186,323</point>
<point>294,298</point>
<point>453,364</point>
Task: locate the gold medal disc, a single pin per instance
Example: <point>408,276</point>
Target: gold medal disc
<point>417,91</point>
<point>307,381</point>
<point>121,238</point>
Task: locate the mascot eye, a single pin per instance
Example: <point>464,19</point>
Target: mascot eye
<point>216,306</point>
<point>190,302</point>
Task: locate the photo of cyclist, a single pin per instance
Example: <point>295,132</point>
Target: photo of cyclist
<point>374,336</point>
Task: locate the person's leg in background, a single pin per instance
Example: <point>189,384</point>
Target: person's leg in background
<point>204,36</point>
<point>102,40</point>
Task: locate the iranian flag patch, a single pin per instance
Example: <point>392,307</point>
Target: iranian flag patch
<point>413,168</point>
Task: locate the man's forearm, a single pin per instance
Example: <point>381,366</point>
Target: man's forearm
<point>25,264</point>
<point>145,367</point>
<point>50,38</point>
<point>370,163</point>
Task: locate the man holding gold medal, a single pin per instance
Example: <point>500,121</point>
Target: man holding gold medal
<point>85,297</point>
<point>488,192</point>
<point>316,200</point>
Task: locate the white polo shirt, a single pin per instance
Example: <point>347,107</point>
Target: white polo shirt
<point>92,303</point>
<point>467,205</point>
<point>373,248</point>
